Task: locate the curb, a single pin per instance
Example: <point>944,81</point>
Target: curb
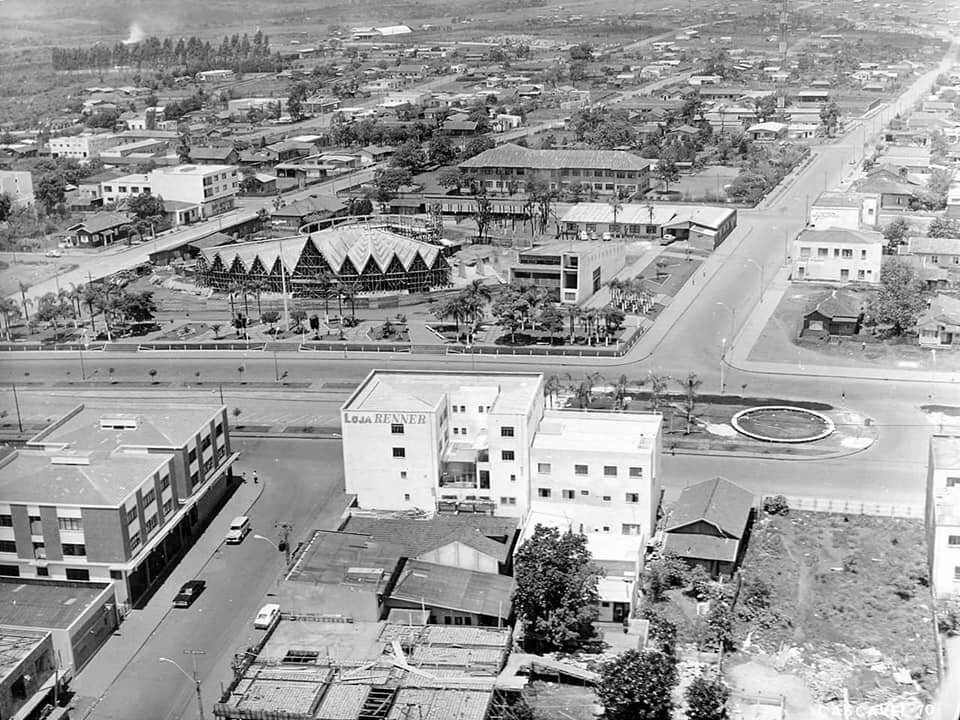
<point>773,456</point>
<point>163,617</point>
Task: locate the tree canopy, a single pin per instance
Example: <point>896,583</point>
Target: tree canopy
<point>638,686</point>
<point>556,595</point>
<point>900,299</point>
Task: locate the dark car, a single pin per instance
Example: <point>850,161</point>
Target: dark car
<point>188,593</point>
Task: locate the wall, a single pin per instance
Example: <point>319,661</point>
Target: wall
<point>458,555</point>
<point>38,664</point>
<point>104,532</point>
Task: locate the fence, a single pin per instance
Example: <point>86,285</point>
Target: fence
<point>48,347</point>
<point>764,706</point>
<point>201,346</point>
<point>854,507</point>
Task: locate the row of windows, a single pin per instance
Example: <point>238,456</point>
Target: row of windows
<point>837,252</point>
<point>578,469</point>
<point>572,494</point>
<point>463,408</point>
<point>935,259</point>
<point>36,526</point>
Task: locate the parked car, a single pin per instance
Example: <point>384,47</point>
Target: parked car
<point>267,615</point>
<point>54,253</point>
<point>189,592</point>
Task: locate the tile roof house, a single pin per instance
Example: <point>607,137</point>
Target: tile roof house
<point>310,209</point>
<point>939,325</point>
<point>100,229</point>
<point>833,313</point>
<point>939,251</point>
<point>218,155</point>
<point>708,523</point>
<point>895,192</point>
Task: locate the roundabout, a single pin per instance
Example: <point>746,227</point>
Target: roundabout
<point>782,424</point>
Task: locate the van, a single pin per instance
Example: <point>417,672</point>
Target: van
<point>239,527</point>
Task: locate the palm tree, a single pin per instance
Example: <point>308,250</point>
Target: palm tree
<point>573,312</point>
<point>620,392</point>
<point>615,205</point>
<point>658,386</point>
<point>350,291</point>
<point>325,283</point>
<point>690,386</point>
<point>8,307</point>
<point>552,387</point>
<point>23,299</point>
<point>88,296</point>
<point>257,286</point>
<point>451,308</point>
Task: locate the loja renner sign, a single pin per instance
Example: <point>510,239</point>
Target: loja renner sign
<point>386,418</point>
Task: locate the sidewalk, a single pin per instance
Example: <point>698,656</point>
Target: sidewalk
<point>92,683</point>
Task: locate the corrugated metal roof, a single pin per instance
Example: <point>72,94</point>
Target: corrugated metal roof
<point>515,156</point>
<point>439,705</point>
<point>455,588</point>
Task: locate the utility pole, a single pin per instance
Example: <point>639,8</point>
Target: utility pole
<point>284,529</point>
<point>196,681</point>
<point>16,403</point>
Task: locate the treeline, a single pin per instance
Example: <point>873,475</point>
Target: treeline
<point>181,57</point>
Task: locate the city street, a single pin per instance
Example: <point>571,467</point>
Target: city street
<point>239,580</point>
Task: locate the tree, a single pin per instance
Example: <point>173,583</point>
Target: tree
<point>942,227</point>
<point>451,178</point>
<point>387,181</point>
<point>298,93</point>
<point>9,308</point>
<point>900,299</point>
<point>638,686</point>
<point>270,317</point>
<point>52,308</point>
<point>747,187</point>
<point>667,171</point>
<point>658,388</point>
<point>6,204</point>
<point>440,150</point>
<point>476,146</point>
<point>50,190</point>
<point>707,698</point>
<point>830,118</point>
<point>137,306</point>
<point>410,156</point>
<point>690,386</point>
<point>183,145</point>
<point>216,327</point>
<point>556,594</point>
<point>551,320</point>
<point>146,207</point>
<point>359,206</point>
<point>938,185</point>
<point>482,215</point>
<point>719,625</point>
<point>896,232</point>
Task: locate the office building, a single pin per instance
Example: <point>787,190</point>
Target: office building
<point>837,255</point>
<point>85,146</point>
<point>571,271</point>
<point>107,495</point>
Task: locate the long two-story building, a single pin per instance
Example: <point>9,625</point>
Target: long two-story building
<point>510,168</point>
<point>107,495</point>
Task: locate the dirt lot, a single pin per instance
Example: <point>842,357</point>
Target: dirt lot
<point>707,184</point>
<point>778,342</point>
<point>848,607</point>
<point>30,268</point>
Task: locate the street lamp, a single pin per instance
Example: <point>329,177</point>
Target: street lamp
<point>723,355</point>
<point>83,344</point>
<point>194,679</point>
<point>262,537</point>
<point>733,318</point>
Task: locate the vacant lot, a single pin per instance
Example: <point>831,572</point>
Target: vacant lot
<point>844,600</point>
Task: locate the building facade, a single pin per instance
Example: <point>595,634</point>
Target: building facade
<point>213,187</point>
<point>102,495</point>
<point>943,514</point>
<point>18,186</point>
<point>837,256</point>
<point>483,442</point>
<point>85,146</point>
<point>510,168</point>
<point>701,225</point>
<point>27,668</point>
<point>572,272</point>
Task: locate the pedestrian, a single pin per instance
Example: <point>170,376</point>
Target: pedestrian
<point>243,477</point>
<point>255,480</point>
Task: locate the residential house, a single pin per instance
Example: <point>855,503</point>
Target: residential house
<point>99,229</point>
<point>320,105</point>
<point>953,200</point>
<point>453,595</point>
<point>934,251</point>
<point>460,128</point>
<point>914,158</point>
<point>372,154</point>
<point>939,325</point>
<point>29,670</point>
<point>837,255</point>
<point>943,515</point>
<point>707,526</point>
<point>833,313</point>
<point>607,171</point>
<point>259,184</point>
<point>896,193</point>
<point>312,209</point>
<point>817,96</point>
<point>288,150</point>
<point>215,155</point>
<point>767,131</point>
<point>730,119</point>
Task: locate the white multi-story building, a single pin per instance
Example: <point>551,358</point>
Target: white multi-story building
<point>484,442</point>
<point>83,147</point>
<point>212,187</point>
<point>943,514</point>
<point>838,255</point>
<point>120,188</point>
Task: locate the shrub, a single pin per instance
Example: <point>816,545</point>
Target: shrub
<point>776,505</point>
<point>699,582</point>
<point>948,615</point>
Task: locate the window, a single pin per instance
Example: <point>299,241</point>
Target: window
<point>506,455</point>
<point>164,482</point>
<point>609,470</point>
<point>406,497</point>
<point>463,408</point>
<point>149,497</point>
<point>151,523</point>
<point>543,468</point>
<point>205,443</point>
<point>804,253</point>
<point>74,549</point>
<point>633,497</point>
<point>506,431</point>
<point>953,540</point>
<point>934,259</point>
<point>396,429</point>
<point>636,472</point>
<point>953,481</point>
<point>579,469</point>
<point>607,498</point>
<point>513,478</point>
<point>36,526</point>
<point>956,572</point>
<point>463,431</point>
<point>403,474</point>
<point>6,520</point>
<point>131,514</point>
<point>544,492</point>
<point>8,546</point>
<point>456,431</point>
<point>508,501</point>
<point>193,455</point>
<point>823,252</point>
<point>43,572</point>
<point>455,408</point>
<point>861,275</point>
<point>39,551</point>
<point>569,494</point>
<point>630,529</point>
<point>484,479</point>
<point>399,452</point>
<point>167,507</point>
<point>134,541</point>
<point>218,430</point>
<point>863,254</point>
<point>479,408</point>
<point>194,479</point>
<point>66,523</point>
<point>584,492</point>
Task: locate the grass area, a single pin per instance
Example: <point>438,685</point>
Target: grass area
<point>707,184</point>
<point>779,342</point>
<point>836,584</point>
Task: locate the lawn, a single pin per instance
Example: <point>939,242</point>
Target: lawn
<point>835,585</point>
<point>706,184</point>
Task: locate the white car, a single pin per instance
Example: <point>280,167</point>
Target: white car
<point>54,253</point>
<point>267,615</point>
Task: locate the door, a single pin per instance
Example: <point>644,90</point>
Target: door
<point>844,274</point>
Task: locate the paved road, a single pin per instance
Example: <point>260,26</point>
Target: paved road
<point>239,579</point>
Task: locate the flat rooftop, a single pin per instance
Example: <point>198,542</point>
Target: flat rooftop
<point>347,558</point>
<point>333,641</point>
<point>15,645</point>
<point>945,452</point>
<point>399,391</point>
<point>47,604</point>
<point>597,432</point>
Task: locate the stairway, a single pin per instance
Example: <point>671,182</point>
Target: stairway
<point>377,704</point>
